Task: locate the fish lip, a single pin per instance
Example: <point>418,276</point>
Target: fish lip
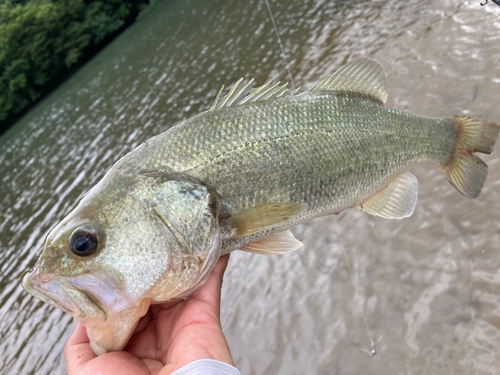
<point>36,283</point>
<point>61,294</point>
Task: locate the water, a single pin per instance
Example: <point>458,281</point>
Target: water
<point>428,285</point>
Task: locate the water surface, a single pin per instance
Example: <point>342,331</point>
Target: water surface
<point>427,287</point>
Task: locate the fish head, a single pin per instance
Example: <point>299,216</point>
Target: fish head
<point>120,250</point>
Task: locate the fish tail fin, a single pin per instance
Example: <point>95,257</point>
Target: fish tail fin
<point>465,171</point>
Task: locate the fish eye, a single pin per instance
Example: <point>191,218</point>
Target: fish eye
<point>84,241</point>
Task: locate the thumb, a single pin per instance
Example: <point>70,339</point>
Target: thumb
<point>211,291</point>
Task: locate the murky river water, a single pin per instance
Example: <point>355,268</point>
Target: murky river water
<point>428,286</point>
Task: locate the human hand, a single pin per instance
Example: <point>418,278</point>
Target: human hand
<point>166,338</point>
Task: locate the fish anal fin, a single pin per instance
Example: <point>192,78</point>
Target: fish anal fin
<point>274,244</point>
<point>364,76</point>
<point>396,201</point>
<point>263,217</point>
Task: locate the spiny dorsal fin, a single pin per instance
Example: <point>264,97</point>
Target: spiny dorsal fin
<point>263,217</point>
<point>245,93</point>
<point>274,244</point>
<point>364,76</point>
<point>396,201</point>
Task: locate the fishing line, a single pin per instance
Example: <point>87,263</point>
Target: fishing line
<point>281,45</point>
<point>492,11</point>
<point>373,351</point>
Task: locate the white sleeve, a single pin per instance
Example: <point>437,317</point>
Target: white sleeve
<point>207,367</point>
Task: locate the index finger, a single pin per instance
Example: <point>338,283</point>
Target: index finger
<point>77,350</point>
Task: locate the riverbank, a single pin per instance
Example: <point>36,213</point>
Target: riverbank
<point>44,42</point>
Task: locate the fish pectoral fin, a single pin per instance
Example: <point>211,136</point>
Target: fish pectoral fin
<point>396,201</point>
<point>363,76</point>
<point>274,244</point>
<point>263,217</point>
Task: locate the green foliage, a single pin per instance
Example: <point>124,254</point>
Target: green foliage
<point>41,39</point>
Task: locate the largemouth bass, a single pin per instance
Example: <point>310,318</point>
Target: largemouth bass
<point>238,176</point>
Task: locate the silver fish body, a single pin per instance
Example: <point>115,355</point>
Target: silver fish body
<point>237,177</point>
<point>327,150</point>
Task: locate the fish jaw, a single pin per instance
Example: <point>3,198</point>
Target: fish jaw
<point>45,288</point>
<point>114,334</point>
<point>110,319</point>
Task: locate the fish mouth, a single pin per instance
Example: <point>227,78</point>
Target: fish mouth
<point>61,293</point>
<point>108,329</point>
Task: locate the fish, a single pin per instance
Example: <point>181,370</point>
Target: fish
<point>238,176</point>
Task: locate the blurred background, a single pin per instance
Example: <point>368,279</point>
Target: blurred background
<point>428,287</point>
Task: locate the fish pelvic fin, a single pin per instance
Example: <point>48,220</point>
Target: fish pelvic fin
<point>274,244</point>
<point>396,201</point>
<point>465,171</point>
<point>364,76</point>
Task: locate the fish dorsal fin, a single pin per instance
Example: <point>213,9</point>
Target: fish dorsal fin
<point>263,217</point>
<point>396,201</point>
<point>274,244</point>
<point>363,76</point>
<point>245,93</point>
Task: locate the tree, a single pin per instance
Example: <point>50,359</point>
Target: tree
<point>41,39</point>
